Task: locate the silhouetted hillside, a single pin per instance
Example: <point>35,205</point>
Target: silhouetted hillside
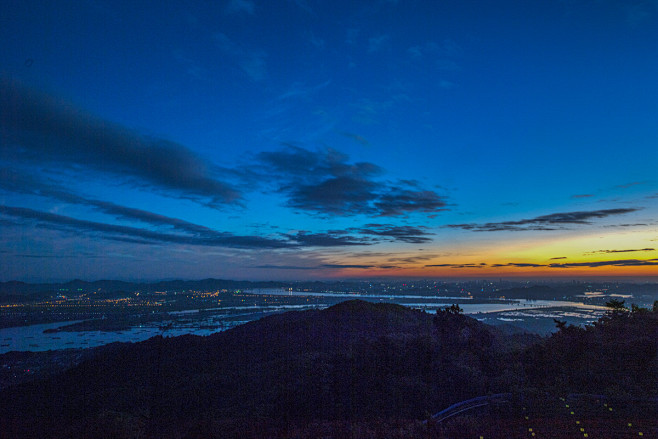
<point>356,365</point>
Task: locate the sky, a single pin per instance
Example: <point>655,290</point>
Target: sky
<point>312,139</point>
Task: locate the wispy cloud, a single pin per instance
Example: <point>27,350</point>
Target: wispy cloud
<point>553,221</point>
<point>284,267</point>
<point>241,6</point>
<point>378,43</point>
<point>468,265</point>
<point>114,231</point>
<point>186,233</point>
<point>412,259</point>
<point>591,264</point>
<point>623,251</point>
<point>629,185</point>
<point>446,48</point>
<point>303,4</point>
<point>410,234</point>
<point>582,196</point>
<point>42,129</point>
<point>253,62</point>
<point>21,183</point>
<point>327,239</point>
<point>362,266</point>
<point>519,264</point>
<point>617,263</point>
<point>324,267</point>
<point>356,138</point>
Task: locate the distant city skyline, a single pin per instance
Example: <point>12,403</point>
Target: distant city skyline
<point>308,139</point>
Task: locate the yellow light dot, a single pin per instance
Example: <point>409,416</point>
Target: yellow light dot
<point>567,406</point>
<point>630,425</point>
<point>527,418</point>
<point>529,429</point>
<point>572,413</point>
<point>577,422</point>
<point>610,408</point>
<point>640,434</point>
<point>585,435</point>
<point>582,429</point>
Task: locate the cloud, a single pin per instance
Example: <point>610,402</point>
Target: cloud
<point>376,44</point>
<point>412,259</point>
<point>623,251</point>
<point>40,128</point>
<point>284,267</point>
<point>519,264</point>
<point>554,221</point>
<point>114,231</point>
<point>356,138</point>
<point>628,185</point>
<point>397,201</point>
<point>324,266</point>
<point>446,48</point>
<point>325,182</point>
<point>559,257</point>
<point>617,263</point>
<point>18,182</point>
<point>238,6</point>
<point>193,234</point>
<point>308,239</point>
<point>252,62</point>
<point>626,225</point>
<point>582,196</point>
<point>303,4</point>
<point>342,195</point>
<point>470,265</point>
<point>591,264</point>
<point>348,266</point>
<point>414,235</point>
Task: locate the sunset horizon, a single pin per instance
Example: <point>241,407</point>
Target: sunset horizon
<point>328,140</point>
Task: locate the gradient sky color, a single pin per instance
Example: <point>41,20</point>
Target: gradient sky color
<point>309,139</point>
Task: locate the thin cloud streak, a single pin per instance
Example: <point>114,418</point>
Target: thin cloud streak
<point>18,182</point>
<point>623,251</point>
<point>202,237</point>
<point>114,231</point>
<point>555,221</point>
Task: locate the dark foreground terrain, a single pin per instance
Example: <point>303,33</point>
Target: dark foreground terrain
<point>358,370</point>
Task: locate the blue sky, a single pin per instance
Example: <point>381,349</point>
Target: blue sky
<point>312,139</point>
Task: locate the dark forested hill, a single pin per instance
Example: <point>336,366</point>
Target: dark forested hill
<point>355,362</point>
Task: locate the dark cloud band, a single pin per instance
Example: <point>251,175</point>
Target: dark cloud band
<point>325,182</point>
<point>44,129</point>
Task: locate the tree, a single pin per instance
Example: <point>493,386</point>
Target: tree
<point>560,324</point>
<point>616,305</point>
<point>453,309</point>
